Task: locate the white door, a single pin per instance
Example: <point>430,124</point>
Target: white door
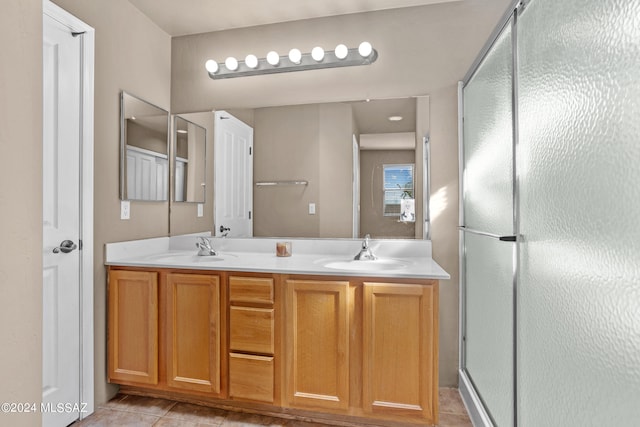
<point>233,158</point>
<point>61,224</point>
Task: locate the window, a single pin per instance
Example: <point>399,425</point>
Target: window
<point>398,185</point>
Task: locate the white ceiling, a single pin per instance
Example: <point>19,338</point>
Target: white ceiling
<point>183,17</point>
<point>373,116</point>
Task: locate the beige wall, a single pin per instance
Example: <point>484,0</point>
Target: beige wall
<point>310,143</point>
<point>335,166</point>
<point>147,138</point>
<point>245,115</point>
<point>372,220</point>
<point>134,55</point>
<point>21,201</point>
<point>444,220</point>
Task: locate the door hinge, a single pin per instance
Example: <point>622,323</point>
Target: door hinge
<point>80,244</point>
<point>249,214</point>
<point>250,150</point>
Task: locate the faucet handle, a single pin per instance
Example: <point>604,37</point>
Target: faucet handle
<point>204,246</point>
<point>365,253</point>
<point>203,241</point>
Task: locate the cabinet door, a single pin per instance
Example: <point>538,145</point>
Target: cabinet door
<point>400,327</point>
<point>317,314</point>
<point>193,332</point>
<point>133,327</point>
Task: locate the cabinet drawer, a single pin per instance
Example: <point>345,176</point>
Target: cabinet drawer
<point>251,377</point>
<point>251,329</point>
<point>251,290</point>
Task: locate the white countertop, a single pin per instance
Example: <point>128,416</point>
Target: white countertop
<point>397,258</point>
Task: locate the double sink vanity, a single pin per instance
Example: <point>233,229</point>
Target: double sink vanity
<point>316,335</point>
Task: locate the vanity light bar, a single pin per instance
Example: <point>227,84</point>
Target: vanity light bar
<point>294,61</point>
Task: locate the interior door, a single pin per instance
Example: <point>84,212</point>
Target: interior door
<point>61,223</point>
<point>233,158</point>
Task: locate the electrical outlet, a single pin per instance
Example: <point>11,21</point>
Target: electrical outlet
<point>312,208</point>
<point>200,210</point>
<point>125,209</point>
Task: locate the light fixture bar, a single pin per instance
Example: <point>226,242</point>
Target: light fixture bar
<point>285,64</point>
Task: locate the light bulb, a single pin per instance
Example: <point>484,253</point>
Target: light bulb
<point>295,56</point>
<point>341,51</point>
<point>231,63</point>
<point>317,53</point>
<point>251,61</point>
<point>211,66</point>
<point>365,49</point>
<point>273,58</point>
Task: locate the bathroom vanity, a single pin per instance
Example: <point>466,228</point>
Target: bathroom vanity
<point>312,335</point>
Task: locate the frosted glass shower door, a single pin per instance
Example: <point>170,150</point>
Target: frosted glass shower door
<point>488,215</point>
<point>579,172</point>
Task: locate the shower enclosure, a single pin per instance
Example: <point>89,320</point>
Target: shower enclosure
<point>549,235</point>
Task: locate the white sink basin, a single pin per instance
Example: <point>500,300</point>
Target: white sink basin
<point>364,266</point>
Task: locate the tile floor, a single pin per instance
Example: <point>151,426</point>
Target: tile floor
<point>129,410</point>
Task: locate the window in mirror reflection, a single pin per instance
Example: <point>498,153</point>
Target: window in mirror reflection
<point>144,147</point>
<point>398,191</point>
<point>190,161</point>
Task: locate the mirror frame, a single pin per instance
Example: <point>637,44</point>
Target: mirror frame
<point>123,148</point>
<point>174,161</point>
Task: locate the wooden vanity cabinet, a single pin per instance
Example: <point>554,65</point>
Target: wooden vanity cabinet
<point>343,349</point>
<point>133,327</point>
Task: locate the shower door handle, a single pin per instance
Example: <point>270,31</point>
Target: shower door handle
<point>507,238</point>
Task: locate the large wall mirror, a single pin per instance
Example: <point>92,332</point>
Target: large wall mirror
<point>190,169</point>
<point>144,150</point>
<point>365,163</point>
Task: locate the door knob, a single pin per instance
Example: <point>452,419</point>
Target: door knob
<point>223,229</point>
<point>65,247</point>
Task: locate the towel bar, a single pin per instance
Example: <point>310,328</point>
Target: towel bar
<point>275,183</point>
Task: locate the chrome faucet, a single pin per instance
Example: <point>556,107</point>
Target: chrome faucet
<point>365,253</point>
<point>205,248</point>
